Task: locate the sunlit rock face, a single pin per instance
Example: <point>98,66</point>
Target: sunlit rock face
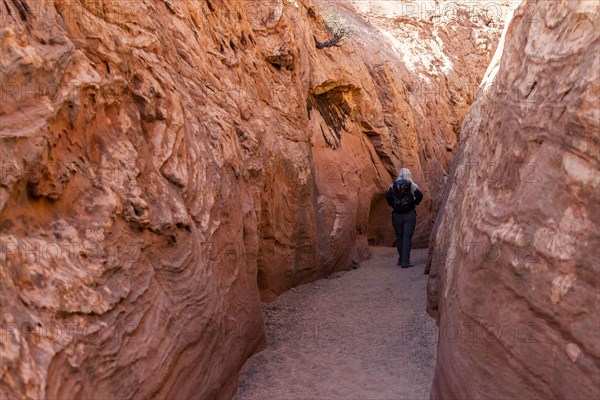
<point>434,54</point>
<point>514,277</point>
<point>165,165</point>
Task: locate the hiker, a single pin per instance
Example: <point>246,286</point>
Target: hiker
<point>403,195</point>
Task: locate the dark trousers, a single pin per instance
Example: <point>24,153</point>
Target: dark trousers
<point>404,226</point>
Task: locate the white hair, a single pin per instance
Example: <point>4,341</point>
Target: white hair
<point>407,176</point>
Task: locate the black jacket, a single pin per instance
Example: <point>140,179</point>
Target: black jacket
<point>390,197</point>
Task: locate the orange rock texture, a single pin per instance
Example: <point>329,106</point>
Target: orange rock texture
<point>165,165</point>
<point>514,276</point>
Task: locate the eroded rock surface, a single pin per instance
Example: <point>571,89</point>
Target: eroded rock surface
<point>160,160</point>
<point>515,277</point>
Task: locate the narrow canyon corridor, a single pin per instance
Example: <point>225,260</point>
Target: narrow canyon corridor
<point>195,199</point>
<point>362,334</point>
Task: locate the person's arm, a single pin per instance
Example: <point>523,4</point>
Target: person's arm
<point>389,197</point>
<point>418,197</point>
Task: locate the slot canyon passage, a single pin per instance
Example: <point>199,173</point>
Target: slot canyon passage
<point>179,177</point>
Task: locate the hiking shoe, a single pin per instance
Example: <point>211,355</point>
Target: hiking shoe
<point>407,266</point>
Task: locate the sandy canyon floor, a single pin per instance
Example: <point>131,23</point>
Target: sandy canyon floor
<point>362,334</point>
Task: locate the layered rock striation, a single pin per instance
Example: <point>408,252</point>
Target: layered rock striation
<point>165,165</point>
<point>514,276</point>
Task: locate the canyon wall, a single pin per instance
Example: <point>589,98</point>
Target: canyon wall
<point>165,165</point>
<point>515,280</point>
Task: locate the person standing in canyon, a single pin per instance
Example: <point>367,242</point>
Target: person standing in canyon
<point>403,196</point>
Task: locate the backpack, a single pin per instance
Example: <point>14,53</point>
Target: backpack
<point>404,201</point>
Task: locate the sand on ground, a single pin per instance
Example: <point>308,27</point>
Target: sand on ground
<point>361,334</point>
